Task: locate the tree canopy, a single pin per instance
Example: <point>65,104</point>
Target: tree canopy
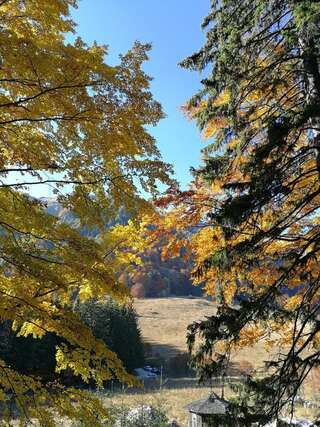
<point>115,324</point>
<point>68,120</point>
<point>255,200</point>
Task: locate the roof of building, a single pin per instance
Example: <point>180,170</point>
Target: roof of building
<point>213,405</point>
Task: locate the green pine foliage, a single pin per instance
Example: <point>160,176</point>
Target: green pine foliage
<point>28,355</point>
<point>117,326</point>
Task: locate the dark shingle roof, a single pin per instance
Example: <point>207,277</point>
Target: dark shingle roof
<point>213,405</point>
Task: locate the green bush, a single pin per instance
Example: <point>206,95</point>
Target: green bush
<point>141,416</point>
<point>178,365</point>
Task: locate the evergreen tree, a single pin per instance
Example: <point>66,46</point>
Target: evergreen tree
<point>117,326</point>
<point>257,195</point>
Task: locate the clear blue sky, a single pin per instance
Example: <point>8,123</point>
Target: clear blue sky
<point>173,28</point>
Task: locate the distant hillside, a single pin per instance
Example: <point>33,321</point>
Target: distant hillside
<point>65,215</point>
<point>156,277</point>
<point>161,278</point>
<point>163,324</point>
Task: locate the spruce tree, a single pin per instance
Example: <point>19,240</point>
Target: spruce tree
<point>260,106</point>
<point>117,326</point>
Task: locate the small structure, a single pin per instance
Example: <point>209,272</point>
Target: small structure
<point>210,412</point>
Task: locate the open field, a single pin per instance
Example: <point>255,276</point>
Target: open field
<point>164,321</point>
<point>173,401</point>
<point>163,324</point>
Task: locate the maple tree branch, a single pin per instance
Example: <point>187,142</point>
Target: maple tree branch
<point>115,247</point>
<point>48,90</point>
<point>53,181</point>
<point>16,395</point>
<point>31,169</point>
<point>76,116</point>
<point>26,233</point>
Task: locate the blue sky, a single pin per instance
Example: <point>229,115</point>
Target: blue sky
<point>173,28</point>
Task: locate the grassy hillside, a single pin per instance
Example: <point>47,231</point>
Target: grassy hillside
<point>163,323</point>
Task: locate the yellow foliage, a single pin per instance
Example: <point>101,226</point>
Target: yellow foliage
<point>222,99</point>
<point>229,291</point>
<point>250,335</point>
<point>34,329</point>
<point>213,127</point>
<point>68,120</point>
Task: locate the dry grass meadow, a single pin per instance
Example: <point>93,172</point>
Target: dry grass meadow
<point>163,323</point>
<point>173,401</point>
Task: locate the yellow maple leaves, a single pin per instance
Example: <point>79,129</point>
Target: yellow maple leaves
<point>70,121</point>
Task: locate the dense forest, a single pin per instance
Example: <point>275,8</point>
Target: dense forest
<point>115,325</point>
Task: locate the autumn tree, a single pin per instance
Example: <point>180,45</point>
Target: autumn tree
<point>68,120</point>
<point>255,200</point>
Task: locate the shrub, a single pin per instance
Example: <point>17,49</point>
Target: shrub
<point>178,365</point>
<point>142,416</point>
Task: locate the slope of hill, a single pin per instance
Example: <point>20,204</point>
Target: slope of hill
<point>155,278</point>
<point>163,321</point>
